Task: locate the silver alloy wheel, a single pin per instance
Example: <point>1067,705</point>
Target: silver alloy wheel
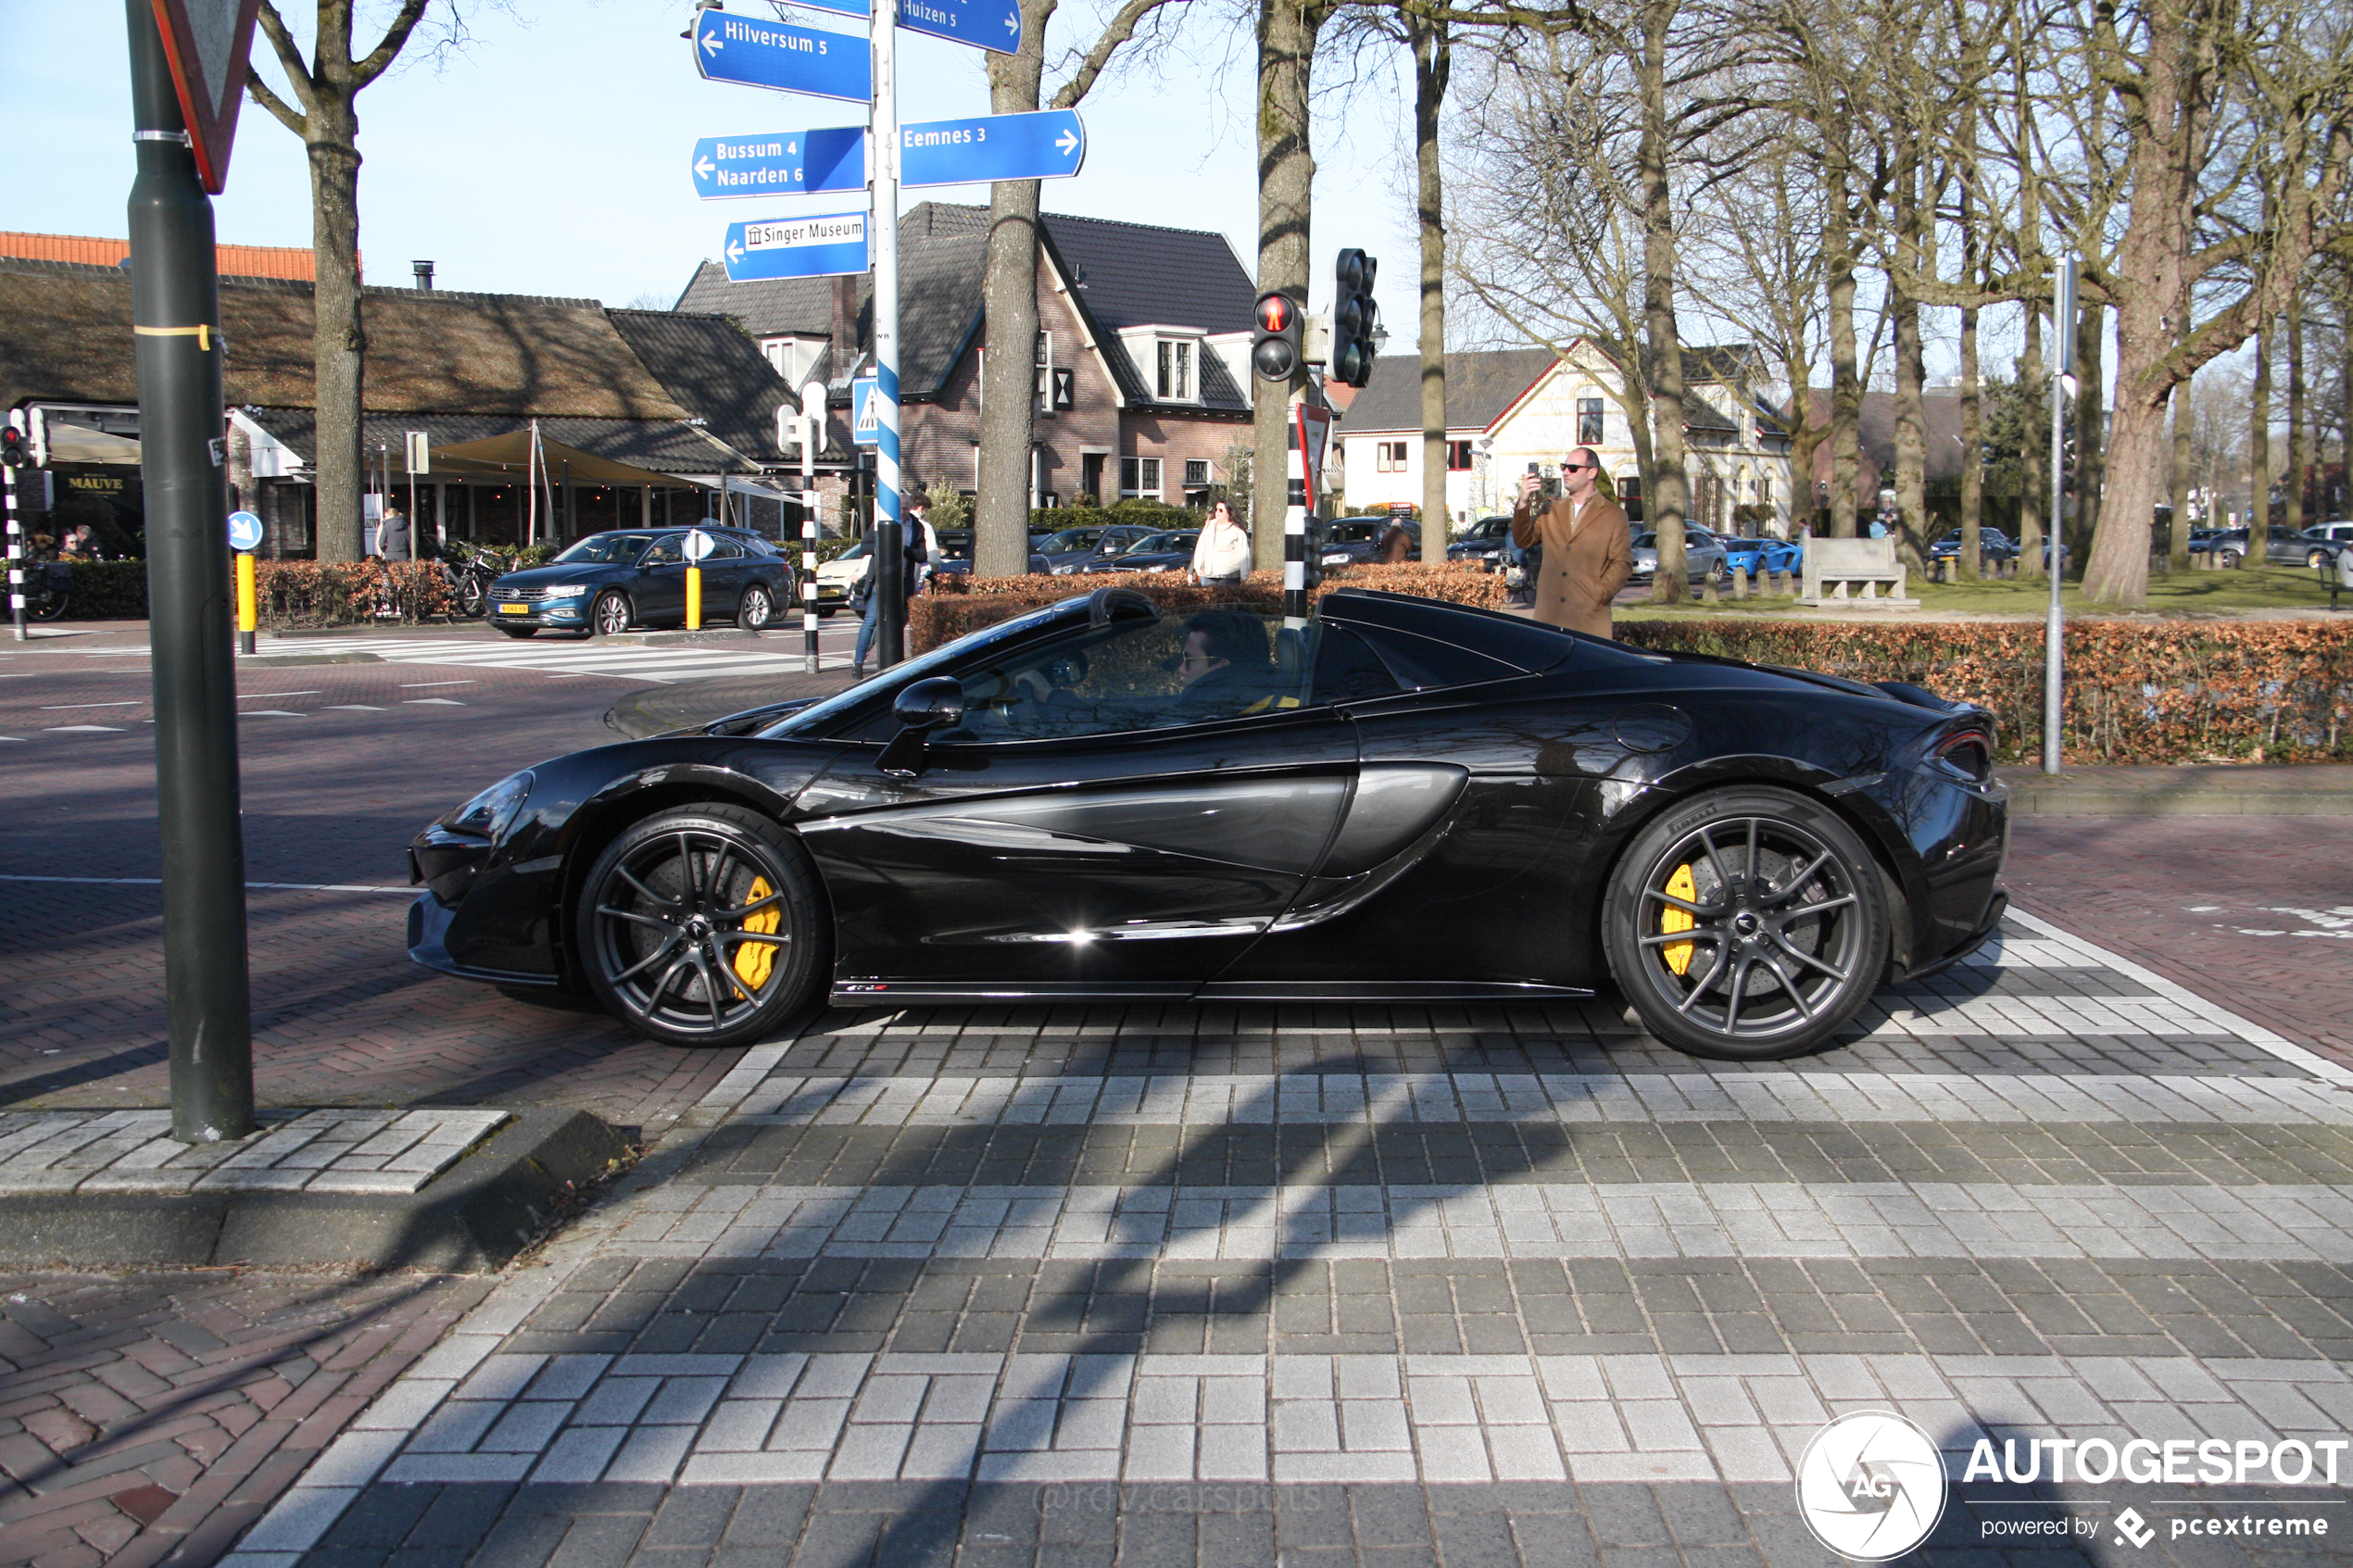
<point>611,616</point>
<point>756,609</point>
<point>671,918</point>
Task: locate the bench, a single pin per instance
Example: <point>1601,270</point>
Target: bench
<point>1835,568</point>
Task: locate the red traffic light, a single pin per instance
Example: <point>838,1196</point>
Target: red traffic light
<point>1274,313</point>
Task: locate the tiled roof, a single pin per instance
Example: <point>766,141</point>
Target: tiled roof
<point>663,445</point>
<point>711,368</point>
<point>1479,386</point>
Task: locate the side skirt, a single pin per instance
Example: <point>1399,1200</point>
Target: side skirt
<point>893,993</point>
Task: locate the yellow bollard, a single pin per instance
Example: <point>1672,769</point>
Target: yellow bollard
<point>248,614</point>
<point>694,598</point>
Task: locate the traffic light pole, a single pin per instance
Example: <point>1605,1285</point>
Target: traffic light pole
<point>15,541</point>
<point>810,431</point>
<point>175,312</point>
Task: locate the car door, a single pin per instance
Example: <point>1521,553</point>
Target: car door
<point>1094,825</point>
<point>658,590</point>
<point>722,577</point>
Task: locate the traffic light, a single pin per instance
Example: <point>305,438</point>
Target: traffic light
<point>1275,348</point>
<point>1355,318</point>
<point>12,448</point>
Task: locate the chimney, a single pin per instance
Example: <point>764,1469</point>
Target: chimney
<point>424,274</point>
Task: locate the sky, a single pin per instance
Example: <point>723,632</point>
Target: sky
<point>550,156</point>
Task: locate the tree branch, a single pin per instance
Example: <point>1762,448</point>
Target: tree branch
<point>395,37</point>
<point>290,60</point>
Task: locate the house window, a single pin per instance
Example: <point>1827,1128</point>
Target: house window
<point>1389,457</point>
<point>1458,456</point>
<point>1588,422</point>
<point>1045,386</point>
<point>1176,370</point>
<point>793,356</point>
<point>1196,472</point>
<point>1140,476</point>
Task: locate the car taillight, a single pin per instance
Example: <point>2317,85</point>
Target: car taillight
<point>1968,753</point>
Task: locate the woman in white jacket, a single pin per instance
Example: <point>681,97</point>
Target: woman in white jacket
<point>1223,553</point>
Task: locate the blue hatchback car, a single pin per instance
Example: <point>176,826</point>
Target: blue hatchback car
<point>1758,556</point>
<point>608,582</point>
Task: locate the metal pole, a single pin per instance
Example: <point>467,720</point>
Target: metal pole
<point>1295,520</point>
<point>15,541</point>
<point>175,311</point>
<point>2055,625</point>
<point>882,225</point>
<point>810,431</point>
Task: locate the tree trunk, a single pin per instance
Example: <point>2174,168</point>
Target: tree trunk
<point>1846,385</point>
<point>1008,306</point>
<point>2177,542</point>
<point>2090,471</point>
<point>1433,63</point>
<point>339,342</point>
<point>1911,374</point>
<point>2292,496</point>
<point>1666,494</point>
<point>2258,455</point>
<point>1285,179</point>
<point>2036,482</point>
<point>1972,448</point>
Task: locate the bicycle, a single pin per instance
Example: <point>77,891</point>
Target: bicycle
<point>45,584</point>
<point>471,578</point>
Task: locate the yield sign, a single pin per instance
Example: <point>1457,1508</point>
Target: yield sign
<point>207,40</point>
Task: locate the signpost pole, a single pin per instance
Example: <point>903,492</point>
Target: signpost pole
<point>249,617</point>
<point>881,226</point>
<point>2055,624</point>
<point>813,427</point>
<point>175,289</point>
<point>15,535</point>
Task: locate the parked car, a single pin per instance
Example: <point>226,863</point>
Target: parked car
<point>1097,799</point>
<point>2227,545</point>
<point>2313,547</point>
<point>835,577</point>
<point>1992,544</point>
<point>1075,550</point>
<point>1488,542</point>
<point>1702,555</point>
<point>624,577</point>
<point>1352,540</point>
<point>1170,550</point>
<point>1758,556</point>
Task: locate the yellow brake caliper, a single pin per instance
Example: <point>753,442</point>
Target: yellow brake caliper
<point>754,960</point>
<point>1679,885</point>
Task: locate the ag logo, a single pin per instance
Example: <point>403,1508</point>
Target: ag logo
<point>1871,1486</point>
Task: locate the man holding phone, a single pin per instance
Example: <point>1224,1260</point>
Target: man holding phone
<point>1587,552</point>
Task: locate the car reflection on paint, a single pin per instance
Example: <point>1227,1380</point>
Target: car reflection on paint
<point>1399,800</point>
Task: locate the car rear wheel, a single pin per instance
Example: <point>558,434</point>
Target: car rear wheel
<point>1748,924</point>
<point>2317,559</point>
<point>757,609</point>
<point>700,926</point>
<point>610,618</point>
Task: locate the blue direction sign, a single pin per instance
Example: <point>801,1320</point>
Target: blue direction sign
<point>984,24</point>
<point>865,423</point>
<point>781,163</point>
<point>1049,145</point>
<point>245,531</point>
<point>796,247</point>
<point>789,59</point>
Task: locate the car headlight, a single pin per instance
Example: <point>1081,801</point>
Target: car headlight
<point>491,813</point>
<point>564,591</point>
<point>1334,560</point>
<point>1065,571</point>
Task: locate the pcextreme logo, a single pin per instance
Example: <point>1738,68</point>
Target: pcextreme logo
<point>1871,1486</point>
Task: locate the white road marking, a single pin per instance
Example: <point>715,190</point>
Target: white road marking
<point>62,707</point>
<point>435,701</point>
<point>415,686</point>
<point>85,729</point>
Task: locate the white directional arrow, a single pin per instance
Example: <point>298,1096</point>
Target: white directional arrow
<point>1068,142</point>
<point>705,168</point>
<point>735,253</point>
<point>713,43</point>
<point>1012,25</point>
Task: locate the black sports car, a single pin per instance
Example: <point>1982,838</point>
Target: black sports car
<point>1399,800</point>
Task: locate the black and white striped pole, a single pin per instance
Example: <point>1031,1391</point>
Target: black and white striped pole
<point>2054,552</point>
<point>1295,520</point>
<point>812,435</point>
<point>12,457</point>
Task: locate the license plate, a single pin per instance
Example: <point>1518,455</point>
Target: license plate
<point>514,610</point>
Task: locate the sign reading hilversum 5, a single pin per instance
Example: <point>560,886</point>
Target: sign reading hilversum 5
<point>781,163</point>
<point>984,24</point>
<point>785,58</point>
<point>796,247</point>
<point>1047,146</point>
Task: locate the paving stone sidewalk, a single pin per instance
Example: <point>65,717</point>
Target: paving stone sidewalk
<point>1376,1286</point>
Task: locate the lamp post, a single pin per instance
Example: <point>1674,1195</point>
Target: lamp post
<point>2055,625</point>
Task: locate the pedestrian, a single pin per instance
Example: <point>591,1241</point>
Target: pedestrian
<point>913,557</point>
<point>919,511</point>
<point>392,535</point>
<point>1396,546</point>
<point>1588,550</point>
<point>2343,578</point>
<point>78,543</point>
<point>1221,556</point>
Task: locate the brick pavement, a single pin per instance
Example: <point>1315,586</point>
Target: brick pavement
<point>150,1419</point>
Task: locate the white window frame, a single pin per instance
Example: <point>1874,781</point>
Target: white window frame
<point>1140,467</point>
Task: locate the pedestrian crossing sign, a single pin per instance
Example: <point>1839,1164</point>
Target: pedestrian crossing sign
<point>865,415</point>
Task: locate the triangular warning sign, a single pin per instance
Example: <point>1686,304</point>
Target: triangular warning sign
<point>209,42</point>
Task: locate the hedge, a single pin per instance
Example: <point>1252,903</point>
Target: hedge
<point>960,605</point>
<point>107,590</point>
<point>2276,690</point>
<point>1151,514</point>
<point>311,593</point>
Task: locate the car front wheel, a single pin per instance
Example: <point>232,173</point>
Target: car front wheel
<point>1748,924</point>
<point>610,618</point>
<point>700,926</point>
<point>756,609</point>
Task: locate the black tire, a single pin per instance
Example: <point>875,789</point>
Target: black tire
<point>1816,928</point>
<point>48,609</point>
<point>609,616</point>
<point>674,906</point>
<point>757,609</point>
<point>471,595</point>
<point>828,612</point>
<point>2317,559</point>
<point>519,631</point>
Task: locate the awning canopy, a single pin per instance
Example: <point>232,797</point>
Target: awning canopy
<point>79,444</point>
<point>509,457</point>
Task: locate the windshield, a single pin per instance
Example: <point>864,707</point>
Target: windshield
<point>606,550</point>
<point>814,719</point>
<point>1070,539</point>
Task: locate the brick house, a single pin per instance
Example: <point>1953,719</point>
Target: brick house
<point>1141,356</point>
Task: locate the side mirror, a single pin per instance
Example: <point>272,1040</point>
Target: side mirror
<point>921,708</point>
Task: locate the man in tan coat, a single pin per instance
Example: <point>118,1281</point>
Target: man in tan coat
<point>1589,553</point>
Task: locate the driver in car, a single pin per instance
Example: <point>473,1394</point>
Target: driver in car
<point>1225,664</point>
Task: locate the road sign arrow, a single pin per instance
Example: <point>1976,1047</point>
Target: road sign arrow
<point>1068,142</point>
<point>780,162</point>
<point>783,57</point>
<point>1047,146</point>
<point>705,168</point>
<point>712,43</point>
<point>735,251</point>
<point>829,246</point>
